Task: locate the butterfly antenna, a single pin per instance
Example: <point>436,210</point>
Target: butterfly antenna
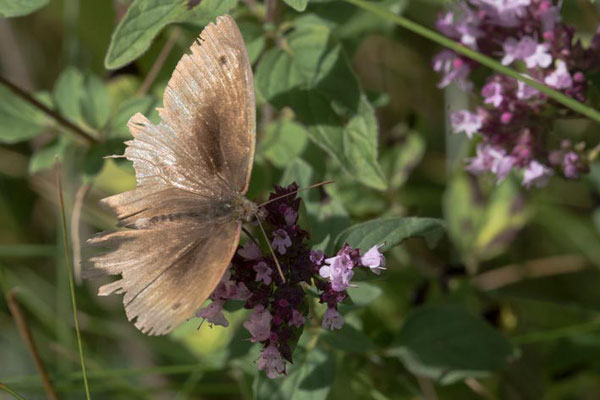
<point>297,191</point>
<point>271,249</point>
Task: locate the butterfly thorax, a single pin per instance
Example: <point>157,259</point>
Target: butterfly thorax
<point>244,209</point>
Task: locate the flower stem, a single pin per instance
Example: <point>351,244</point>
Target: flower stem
<point>68,261</point>
<point>478,57</point>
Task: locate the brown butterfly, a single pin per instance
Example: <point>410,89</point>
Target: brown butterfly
<point>192,171</point>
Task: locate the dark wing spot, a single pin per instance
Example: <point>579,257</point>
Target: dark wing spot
<point>223,60</point>
<point>176,306</point>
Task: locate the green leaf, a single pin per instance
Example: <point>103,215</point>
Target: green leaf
<point>298,5</point>
<point>309,378</point>
<point>348,339</point>
<point>448,344</point>
<point>402,158</point>
<point>391,231</point>
<point>95,106</point>
<point>45,157</point>
<point>19,120</point>
<point>364,294</point>
<point>140,25</point>
<point>206,12</point>
<point>68,93</point>
<point>254,36</point>
<point>483,228</point>
<point>19,8</point>
<point>316,81</point>
<point>117,126</point>
<point>283,141</point>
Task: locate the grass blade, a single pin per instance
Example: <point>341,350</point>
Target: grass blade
<point>480,58</point>
<point>11,392</point>
<point>68,261</point>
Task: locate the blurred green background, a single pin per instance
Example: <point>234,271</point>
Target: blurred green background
<point>506,306</point>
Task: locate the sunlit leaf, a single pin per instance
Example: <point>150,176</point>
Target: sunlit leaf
<point>391,231</point>
<point>298,5</point>
<point>140,25</point>
<point>19,8</point>
<point>283,141</point>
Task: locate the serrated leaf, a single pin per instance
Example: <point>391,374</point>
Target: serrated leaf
<point>140,25</point>
<point>391,231</point>
<point>315,80</point>
<point>12,8</point>
<point>19,121</point>
<point>283,141</point>
<point>448,344</point>
<point>298,5</point>
<point>309,378</point>
<point>68,93</point>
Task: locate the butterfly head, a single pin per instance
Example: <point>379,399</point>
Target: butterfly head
<point>245,209</point>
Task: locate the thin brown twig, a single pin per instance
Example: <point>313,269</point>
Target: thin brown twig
<point>509,274</point>
<point>51,113</point>
<point>159,62</point>
<point>478,388</point>
<point>271,249</point>
<point>21,322</point>
<point>75,219</point>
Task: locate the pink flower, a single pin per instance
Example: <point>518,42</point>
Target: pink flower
<point>297,319</point>
<point>339,271</point>
<point>453,68</point>
<point>332,319</point>
<point>560,77</point>
<point>539,58</point>
<point>250,251</point>
<point>492,92</point>
<point>263,272</point>
<point>374,259</point>
<point>213,313</point>
<point>518,50</point>
<point>259,324</point>
<point>466,121</point>
<point>229,289</point>
<point>271,362</point>
<point>524,91</point>
<point>281,240</point>
<point>536,174</point>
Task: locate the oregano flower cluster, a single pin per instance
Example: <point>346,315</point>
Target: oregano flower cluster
<point>515,120</point>
<point>280,310</point>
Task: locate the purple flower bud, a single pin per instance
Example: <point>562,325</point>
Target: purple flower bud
<point>570,165</point>
<point>271,362</point>
<point>332,319</point>
<point>297,319</point>
<point>492,93</point>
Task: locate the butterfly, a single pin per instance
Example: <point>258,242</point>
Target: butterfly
<point>192,171</point>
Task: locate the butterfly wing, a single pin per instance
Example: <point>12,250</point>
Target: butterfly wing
<point>189,168</point>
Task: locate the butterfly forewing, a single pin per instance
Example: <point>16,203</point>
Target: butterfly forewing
<point>182,226</point>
